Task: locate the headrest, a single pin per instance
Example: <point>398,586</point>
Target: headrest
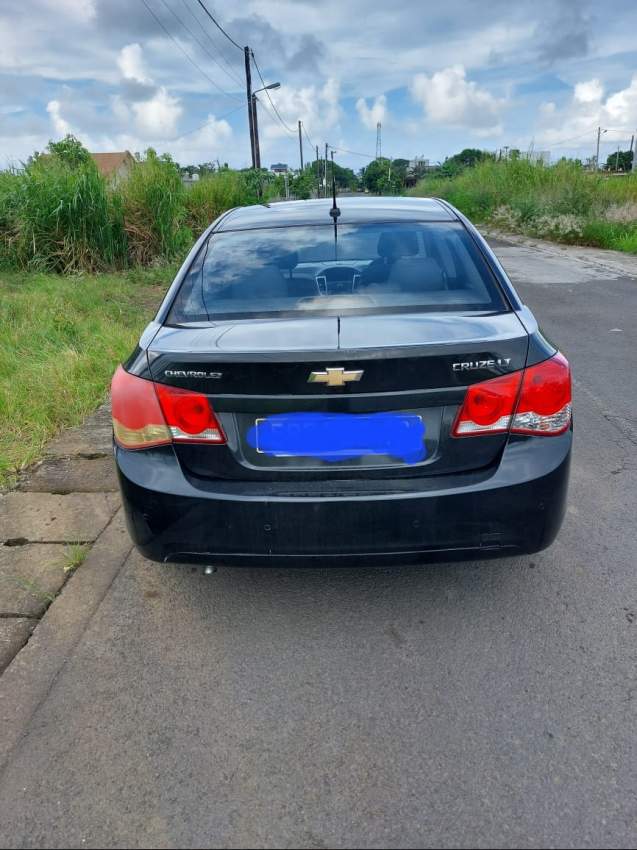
<point>417,274</point>
<point>397,243</point>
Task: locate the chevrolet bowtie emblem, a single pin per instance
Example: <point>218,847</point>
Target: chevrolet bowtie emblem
<point>337,377</point>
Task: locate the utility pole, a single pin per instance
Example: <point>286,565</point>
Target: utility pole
<point>599,135</point>
<point>246,53</point>
<point>301,146</point>
<point>255,131</point>
<point>325,178</point>
<point>378,145</point>
<point>617,159</point>
<point>318,175</point>
<point>633,148</point>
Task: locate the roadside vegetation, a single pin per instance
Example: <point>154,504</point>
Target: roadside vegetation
<point>563,202</point>
<point>58,214</point>
<point>61,340</point>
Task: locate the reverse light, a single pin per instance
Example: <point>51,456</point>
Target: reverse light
<point>536,400</point>
<point>545,398</point>
<point>147,414</point>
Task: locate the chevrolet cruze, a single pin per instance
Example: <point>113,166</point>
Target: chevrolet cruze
<point>340,388</point>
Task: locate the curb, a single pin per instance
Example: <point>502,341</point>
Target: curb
<point>32,674</point>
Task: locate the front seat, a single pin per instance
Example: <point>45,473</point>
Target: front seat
<point>392,244</point>
<point>416,274</point>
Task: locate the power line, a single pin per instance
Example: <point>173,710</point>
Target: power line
<point>187,55</point>
<point>218,25</point>
<point>353,153</point>
<point>307,137</point>
<point>572,138</point>
<point>203,47</point>
<point>278,114</point>
<point>186,5</point>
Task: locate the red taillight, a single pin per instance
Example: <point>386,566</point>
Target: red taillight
<point>536,400</point>
<point>545,399</point>
<point>488,406</point>
<point>147,414</point>
<point>189,416</point>
<point>138,422</point>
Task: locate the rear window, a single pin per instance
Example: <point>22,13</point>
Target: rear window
<point>367,268</point>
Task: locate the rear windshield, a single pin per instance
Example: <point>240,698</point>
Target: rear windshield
<point>366,268</point>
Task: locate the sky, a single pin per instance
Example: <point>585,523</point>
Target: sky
<point>133,74</point>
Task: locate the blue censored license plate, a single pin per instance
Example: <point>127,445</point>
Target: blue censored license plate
<point>336,437</point>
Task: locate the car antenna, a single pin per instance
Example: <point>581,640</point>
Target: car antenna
<point>334,212</point>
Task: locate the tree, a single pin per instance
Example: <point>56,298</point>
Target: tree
<point>619,161</point>
<point>302,185</point>
<point>467,158</point>
<point>345,177</point>
<point>382,176</point>
<point>70,151</point>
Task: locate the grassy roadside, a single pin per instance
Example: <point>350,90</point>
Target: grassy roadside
<point>61,340</point>
<point>562,203</point>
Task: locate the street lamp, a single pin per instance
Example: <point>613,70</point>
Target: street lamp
<point>257,152</point>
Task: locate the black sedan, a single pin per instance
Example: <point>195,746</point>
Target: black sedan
<point>361,388</point>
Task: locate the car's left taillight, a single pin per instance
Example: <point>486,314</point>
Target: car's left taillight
<point>147,414</point>
<point>535,400</point>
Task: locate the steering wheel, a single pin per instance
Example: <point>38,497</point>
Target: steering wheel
<point>338,280</point>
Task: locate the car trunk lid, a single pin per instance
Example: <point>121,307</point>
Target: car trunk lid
<point>414,370</point>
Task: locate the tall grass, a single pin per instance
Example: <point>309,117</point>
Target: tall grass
<point>152,205</point>
<point>57,218</point>
<point>60,215</point>
<point>561,202</point>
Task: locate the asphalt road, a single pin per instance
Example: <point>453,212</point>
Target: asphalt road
<point>473,705</point>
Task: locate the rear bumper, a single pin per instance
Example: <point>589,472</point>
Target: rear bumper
<point>516,508</point>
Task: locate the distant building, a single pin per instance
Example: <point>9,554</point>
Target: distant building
<point>188,179</point>
<point>280,168</point>
<point>114,166</point>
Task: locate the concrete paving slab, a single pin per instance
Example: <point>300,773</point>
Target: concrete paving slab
<point>30,577</point>
<point>71,475</point>
<point>14,633</point>
<point>27,681</point>
<point>93,438</point>
<point>47,518</point>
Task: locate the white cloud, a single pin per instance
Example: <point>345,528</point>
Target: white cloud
<point>589,92</point>
<point>318,108</point>
<point>449,99</point>
<point>60,125</point>
<point>158,116</point>
<point>207,143</point>
<point>130,62</point>
<point>82,10</point>
<point>576,122</point>
<point>370,116</point>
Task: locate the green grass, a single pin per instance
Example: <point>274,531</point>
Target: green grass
<point>74,556</point>
<point>61,340</point>
<point>58,214</point>
<point>562,202</point>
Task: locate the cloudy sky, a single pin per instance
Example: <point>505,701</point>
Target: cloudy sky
<point>137,73</point>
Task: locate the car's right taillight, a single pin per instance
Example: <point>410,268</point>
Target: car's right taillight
<point>544,406</point>
<point>536,400</point>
